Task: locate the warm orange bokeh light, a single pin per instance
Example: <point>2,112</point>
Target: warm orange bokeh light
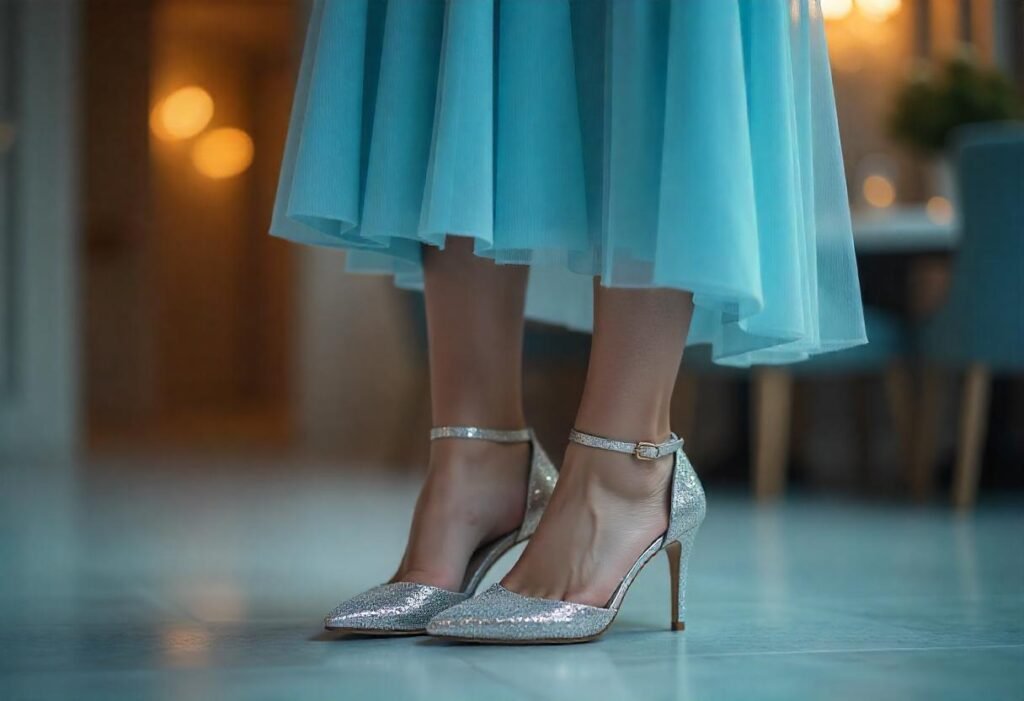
<point>879,191</point>
<point>836,9</point>
<point>223,153</point>
<point>875,10</point>
<point>182,114</point>
<point>940,210</point>
<point>879,10</point>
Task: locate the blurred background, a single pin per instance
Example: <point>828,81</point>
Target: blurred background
<point>208,435</point>
<point>145,308</point>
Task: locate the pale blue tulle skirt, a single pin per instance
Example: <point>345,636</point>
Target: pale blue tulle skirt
<point>687,144</point>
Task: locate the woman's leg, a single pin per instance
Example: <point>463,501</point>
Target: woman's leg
<point>608,507</point>
<point>474,490</point>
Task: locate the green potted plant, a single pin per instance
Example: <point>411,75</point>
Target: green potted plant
<point>932,103</point>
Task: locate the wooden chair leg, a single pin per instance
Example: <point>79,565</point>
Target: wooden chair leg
<point>899,393</point>
<point>971,436</point>
<point>927,415</point>
<point>772,400</point>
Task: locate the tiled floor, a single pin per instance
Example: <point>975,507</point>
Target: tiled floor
<point>207,579</point>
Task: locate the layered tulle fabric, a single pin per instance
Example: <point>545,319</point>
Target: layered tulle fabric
<point>687,144</point>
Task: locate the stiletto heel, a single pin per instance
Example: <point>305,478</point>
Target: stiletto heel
<point>678,558</point>
<point>503,616</point>
<point>403,608</point>
<point>672,551</point>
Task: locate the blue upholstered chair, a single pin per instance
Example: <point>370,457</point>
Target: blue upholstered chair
<point>980,330</point>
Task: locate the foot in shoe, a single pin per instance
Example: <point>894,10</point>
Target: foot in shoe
<point>606,510</point>
<point>474,493</point>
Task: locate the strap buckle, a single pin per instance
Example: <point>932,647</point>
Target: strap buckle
<point>647,451</point>
<point>644,451</point>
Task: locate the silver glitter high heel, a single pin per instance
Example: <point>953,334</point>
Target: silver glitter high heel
<point>502,616</point>
<point>403,608</point>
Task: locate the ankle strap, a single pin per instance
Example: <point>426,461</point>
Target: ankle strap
<point>497,435</point>
<point>641,450</point>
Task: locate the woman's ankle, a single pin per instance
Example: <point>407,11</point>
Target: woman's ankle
<point>619,474</point>
<point>645,422</point>
<point>471,455</point>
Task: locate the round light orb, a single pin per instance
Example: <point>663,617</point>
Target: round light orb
<point>182,114</point>
<point>223,153</point>
<point>879,10</point>
<point>939,210</point>
<point>879,191</point>
<point>836,9</point>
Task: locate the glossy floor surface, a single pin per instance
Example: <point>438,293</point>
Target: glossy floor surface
<point>207,579</point>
